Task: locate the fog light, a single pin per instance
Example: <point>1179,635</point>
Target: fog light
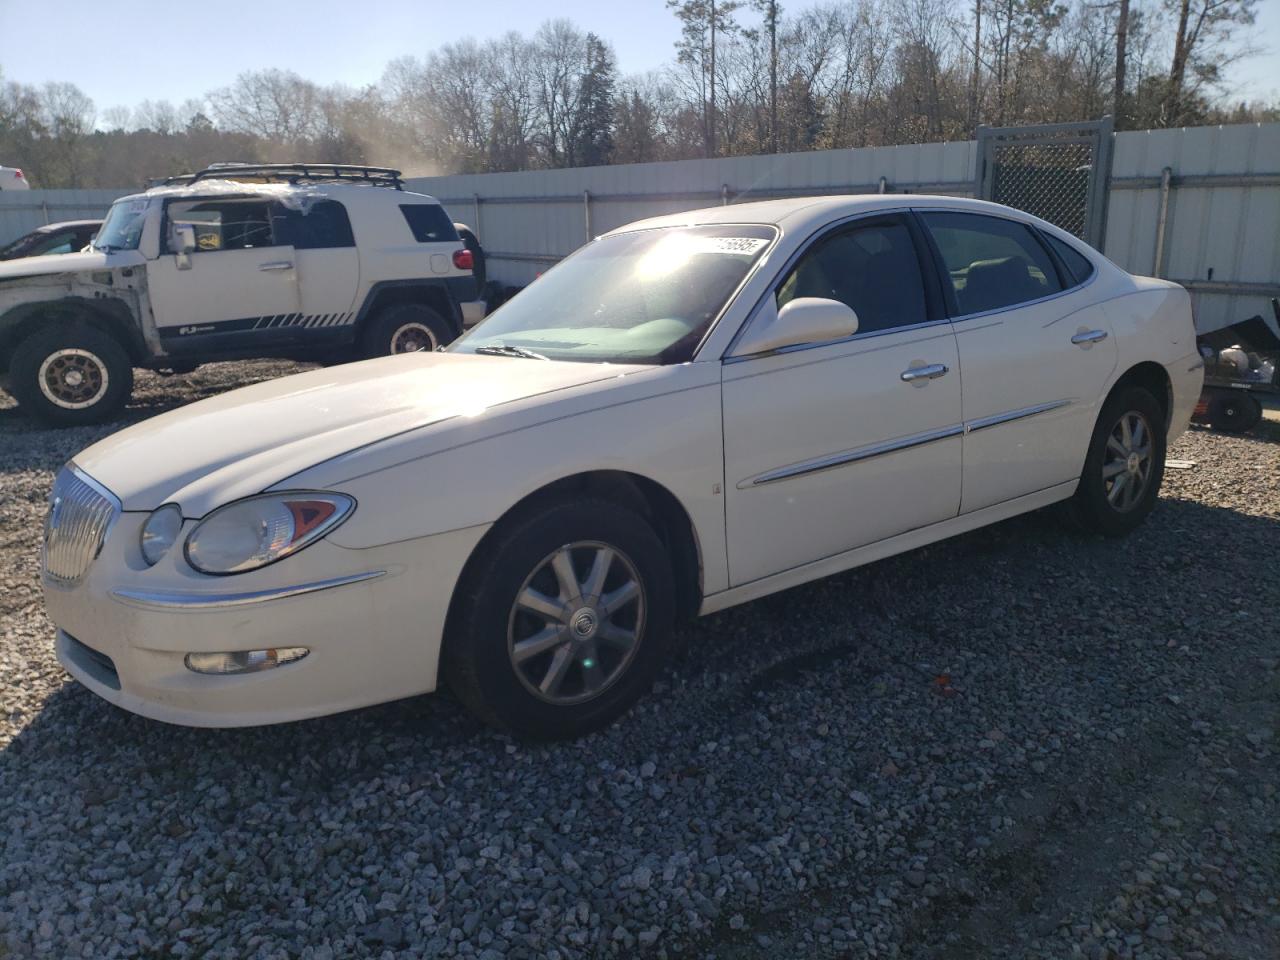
<point>244,661</point>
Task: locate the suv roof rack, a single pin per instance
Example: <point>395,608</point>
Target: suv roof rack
<point>293,173</point>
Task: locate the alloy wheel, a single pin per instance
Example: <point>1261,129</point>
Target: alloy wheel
<point>576,622</point>
<point>1126,467</point>
<point>412,337</point>
<point>73,379</point>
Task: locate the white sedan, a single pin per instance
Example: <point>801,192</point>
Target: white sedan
<point>688,413</point>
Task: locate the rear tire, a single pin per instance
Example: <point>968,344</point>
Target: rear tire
<point>1124,466</point>
<point>69,376</point>
<point>596,636</point>
<point>405,328</point>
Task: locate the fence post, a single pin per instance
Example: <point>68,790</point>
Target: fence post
<point>44,209</point>
<point>724,194</point>
<point>1162,222</point>
<point>884,185</point>
<point>586,212</point>
<point>475,202</point>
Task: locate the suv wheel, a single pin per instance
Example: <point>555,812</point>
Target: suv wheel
<point>1124,465</point>
<point>406,328</point>
<point>69,376</point>
<point>563,621</point>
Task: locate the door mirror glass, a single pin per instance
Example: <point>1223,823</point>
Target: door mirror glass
<point>802,320</point>
<point>184,238</point>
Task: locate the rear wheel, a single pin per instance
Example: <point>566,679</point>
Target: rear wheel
<point>70,376</point>
<point>406,328</point>
<point>563,621</point>
<point>1124,466</point>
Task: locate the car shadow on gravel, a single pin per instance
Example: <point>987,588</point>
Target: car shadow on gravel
<point>821,693</point>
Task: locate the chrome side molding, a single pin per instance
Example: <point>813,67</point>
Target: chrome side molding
<point>1009,416</point>
<point>190,600</point>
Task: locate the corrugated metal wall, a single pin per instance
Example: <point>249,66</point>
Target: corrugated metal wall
<point>21,211</point>
<point>1222,235</point>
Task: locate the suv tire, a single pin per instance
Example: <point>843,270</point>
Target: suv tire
<point>405,328</point>
<point>1124,466</point>
<point>69,376</point>
<point>595,628</point>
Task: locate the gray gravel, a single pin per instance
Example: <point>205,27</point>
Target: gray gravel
<point>1021,743</point>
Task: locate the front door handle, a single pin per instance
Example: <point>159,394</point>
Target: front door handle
<point>1086,337</point>
<point>930,372</point>
<point>277,265</point>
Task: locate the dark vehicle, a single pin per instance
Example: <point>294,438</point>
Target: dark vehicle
<point>68,237</point>
<point>1242,362</point>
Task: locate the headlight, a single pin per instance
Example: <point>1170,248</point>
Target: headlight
<point>254,532</point>
<point>160,532</point>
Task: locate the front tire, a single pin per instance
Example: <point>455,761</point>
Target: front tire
<point>562,621</point>
<point>406,328</point>
<point>1124,466</point>
<point>71,376</point>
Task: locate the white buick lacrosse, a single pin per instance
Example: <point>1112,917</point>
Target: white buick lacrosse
<point>688,413</point>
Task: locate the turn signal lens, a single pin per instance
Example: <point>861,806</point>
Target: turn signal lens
<point>254,532</point>
<point>244,661</point>
<point>160,532</point>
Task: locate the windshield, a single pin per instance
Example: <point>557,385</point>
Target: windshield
<point>642,297</point>
<point>122,230</point>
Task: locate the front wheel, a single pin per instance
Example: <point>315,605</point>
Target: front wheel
<point>71,376</point>
<point>1124,466</point>
<point>562,622</point>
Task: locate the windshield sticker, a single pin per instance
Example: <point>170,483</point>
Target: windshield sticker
<point>743,246</point>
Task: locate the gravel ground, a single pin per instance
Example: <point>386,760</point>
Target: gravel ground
<point>1020,743</point>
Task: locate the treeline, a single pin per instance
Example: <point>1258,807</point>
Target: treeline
<point>747,77</point>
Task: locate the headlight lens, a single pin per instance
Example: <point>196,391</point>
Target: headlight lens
<point>254,532</point>
<point>160,532</point>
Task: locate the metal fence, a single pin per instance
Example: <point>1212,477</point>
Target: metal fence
<point>1199,205</point>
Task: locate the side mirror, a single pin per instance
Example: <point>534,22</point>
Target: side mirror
<point>803,320</point>
<point>184,238</point>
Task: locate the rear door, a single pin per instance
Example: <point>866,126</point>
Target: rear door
<point>325,261</point>
<point>1036,350</point>
<point>239,278</point>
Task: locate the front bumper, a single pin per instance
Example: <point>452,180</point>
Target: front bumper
<point>372,619</point>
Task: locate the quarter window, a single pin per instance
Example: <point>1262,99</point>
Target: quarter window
<point>224,224</point>
<point>1078,265</point>
<point>872,268</point>
<point>992,263</point>
<point>429,222</point>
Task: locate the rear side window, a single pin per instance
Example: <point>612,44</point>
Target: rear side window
<point>324,225</point>
<point>871,268</point>
<point>1079,267</point>
<point>992,263</point>
<point>429,222</point>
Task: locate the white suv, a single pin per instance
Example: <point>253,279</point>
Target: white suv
<point>301,261</point>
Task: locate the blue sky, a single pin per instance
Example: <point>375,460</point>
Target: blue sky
<point>126,51</point>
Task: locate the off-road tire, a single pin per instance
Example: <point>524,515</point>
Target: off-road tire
<point>398,326</point>
<point>99,354</point>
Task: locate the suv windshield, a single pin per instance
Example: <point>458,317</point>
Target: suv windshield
<point>122,230</point>
<point>642,297</point>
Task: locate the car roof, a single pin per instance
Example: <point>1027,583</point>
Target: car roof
<point>318,190</point>
<point>799,213</point>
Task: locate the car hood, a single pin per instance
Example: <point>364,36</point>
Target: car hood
<point>240,443</point>
<point>68,263</point>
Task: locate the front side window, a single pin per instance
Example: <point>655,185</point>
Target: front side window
<point>872,269</point>
<point>992,263</point>
<point>122,229</point>
<point>224,224</point>
<point>648,296</point>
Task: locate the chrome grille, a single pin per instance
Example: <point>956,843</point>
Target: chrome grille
<point>80,514</point>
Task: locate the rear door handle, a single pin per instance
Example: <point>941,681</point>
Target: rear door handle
<point>930,372</point>
<point>1086,337</point>
<point>277,265</point>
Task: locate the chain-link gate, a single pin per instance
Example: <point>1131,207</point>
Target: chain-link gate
<point>1057,171</point>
